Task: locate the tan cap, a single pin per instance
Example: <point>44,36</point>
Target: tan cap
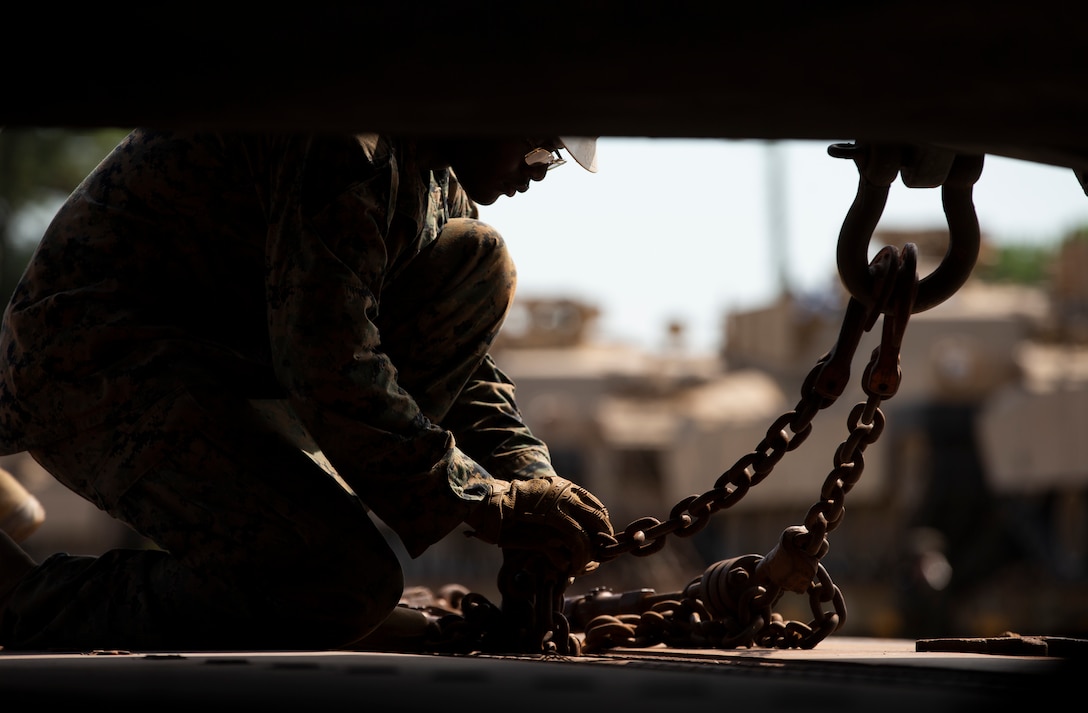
<point>583,149</point>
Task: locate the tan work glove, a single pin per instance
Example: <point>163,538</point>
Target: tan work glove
<point>549,514</point>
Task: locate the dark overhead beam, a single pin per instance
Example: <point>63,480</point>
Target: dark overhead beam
<point>1001,77</point>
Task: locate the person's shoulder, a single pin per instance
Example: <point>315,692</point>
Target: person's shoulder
<point>375,148</point>
<point>381,151</point>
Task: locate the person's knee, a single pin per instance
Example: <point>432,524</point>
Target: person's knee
<point>490,278</point>
<point>370,588</point>
<point>481,246</point>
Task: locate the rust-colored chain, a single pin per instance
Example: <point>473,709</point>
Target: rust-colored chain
<point>822,386</point>
<point>684,619</point>
<point>731,603</point>
<point>866,422</point>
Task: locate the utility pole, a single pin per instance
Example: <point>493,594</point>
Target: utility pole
<point>777,213</point>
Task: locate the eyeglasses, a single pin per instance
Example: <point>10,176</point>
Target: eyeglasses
<point>545,157</point>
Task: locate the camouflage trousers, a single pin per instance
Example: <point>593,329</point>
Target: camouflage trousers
<point>256,543</point>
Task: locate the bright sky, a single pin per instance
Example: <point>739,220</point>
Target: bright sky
<point>680,228</point>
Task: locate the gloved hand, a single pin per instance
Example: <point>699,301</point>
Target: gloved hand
<point>548,514</point>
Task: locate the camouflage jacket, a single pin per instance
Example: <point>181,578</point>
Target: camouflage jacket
<point>197,254</point>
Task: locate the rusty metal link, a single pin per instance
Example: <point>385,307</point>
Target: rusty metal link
<point>825,623</point>
<point>865,426</point>
<point>696,517</point>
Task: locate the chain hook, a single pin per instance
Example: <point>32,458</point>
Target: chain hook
<point>884,373</point>
<point>860,318</point>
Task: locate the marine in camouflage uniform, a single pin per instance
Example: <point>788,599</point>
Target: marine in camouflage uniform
<point>237,344</point>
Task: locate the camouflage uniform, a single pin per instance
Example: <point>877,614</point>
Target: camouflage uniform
<point>238,344</point>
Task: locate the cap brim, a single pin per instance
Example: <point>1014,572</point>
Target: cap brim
<point>583,149</point>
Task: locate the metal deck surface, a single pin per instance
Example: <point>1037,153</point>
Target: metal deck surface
<point>840,674</point>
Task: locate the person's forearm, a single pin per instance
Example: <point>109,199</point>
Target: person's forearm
<point>488,426</point>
